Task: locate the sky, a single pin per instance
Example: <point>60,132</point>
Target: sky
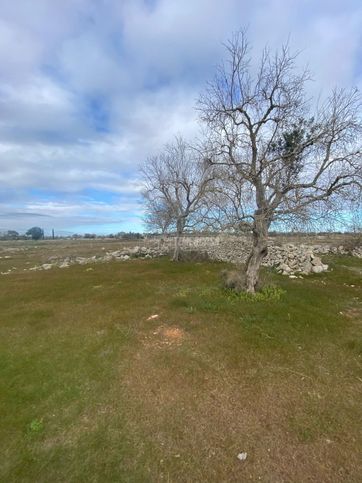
<point>89,89</point>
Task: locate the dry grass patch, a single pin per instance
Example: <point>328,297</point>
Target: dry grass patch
<point>354,313</point>
<point>172,334</point>
<point>162,336</point>
<point>198,420</point>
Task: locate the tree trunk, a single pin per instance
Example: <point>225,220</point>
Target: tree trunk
<point>258,252</point>
<point>179,231</point>
<point>176,252</point>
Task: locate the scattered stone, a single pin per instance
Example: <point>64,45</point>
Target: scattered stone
<point>317,269</point>
<point>47,266</point>
<point>316,261</point>
<point>306,267</point>
<point>152,317</point>
<point>242,456</point>
<point>285,268</point>
<point>64,265</point>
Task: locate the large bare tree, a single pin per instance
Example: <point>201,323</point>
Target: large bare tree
<point>283,154</point>
<point>176,184</point>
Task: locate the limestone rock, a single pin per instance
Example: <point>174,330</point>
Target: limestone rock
<point>317,269</point>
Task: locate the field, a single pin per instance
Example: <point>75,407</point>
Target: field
<point>95,389</point>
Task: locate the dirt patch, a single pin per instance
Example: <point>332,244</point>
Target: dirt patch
<point>174,334</point>
<point>165,336</point>
<point>353,313</point>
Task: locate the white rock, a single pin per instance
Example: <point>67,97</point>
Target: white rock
<point>64,265</point>
<point>242,456</point>
<point>47,266</point>
<point>317,269</point>
<point>316,261</point>
<point>284,267</point>
<point>151,317</point>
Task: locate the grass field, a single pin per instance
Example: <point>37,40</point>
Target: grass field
<point>93,391</point>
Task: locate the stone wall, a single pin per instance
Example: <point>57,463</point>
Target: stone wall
<point>290,259</point>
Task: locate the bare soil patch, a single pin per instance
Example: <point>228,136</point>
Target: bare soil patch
<point>163,336</point>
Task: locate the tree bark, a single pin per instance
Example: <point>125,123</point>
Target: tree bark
<point>176,252</point>
<point>258,252</point>
<point>179,231</point>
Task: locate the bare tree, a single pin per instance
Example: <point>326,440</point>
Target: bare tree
<point>158,215</point>
<point>284,156</point>
<point>176,184</point>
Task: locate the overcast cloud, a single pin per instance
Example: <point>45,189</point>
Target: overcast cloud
<point>89,89</point>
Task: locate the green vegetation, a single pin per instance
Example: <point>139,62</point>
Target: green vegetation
<point>36,233</point>
<point>93,389</point>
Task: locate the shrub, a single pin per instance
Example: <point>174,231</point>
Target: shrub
<point>233,280</point>
<point>36,426</point>
<point>268,293</point>
<point>194,256</point>
<point>234,283</point>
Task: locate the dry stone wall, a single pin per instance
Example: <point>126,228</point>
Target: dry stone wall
<point>290,259</point>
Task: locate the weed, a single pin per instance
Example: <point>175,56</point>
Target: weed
<point>190,309</point>
<point>266,294</point>
<point>36,426</point>
<point>233,280</point>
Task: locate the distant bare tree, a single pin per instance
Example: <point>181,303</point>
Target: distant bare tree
<point>158,215</point>
<point>176,183</point>
<point>283,157</point>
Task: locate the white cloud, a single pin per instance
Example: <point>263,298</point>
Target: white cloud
<point>90,89</point>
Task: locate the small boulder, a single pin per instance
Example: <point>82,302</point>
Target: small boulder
<point>306,267</point>
<point>317,269</point>
<point>316,261</point>
<point>284,268</point>
<point>64,265</point>
<point>47,266</point>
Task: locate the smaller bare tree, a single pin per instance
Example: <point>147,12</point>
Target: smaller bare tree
<point>176,184</point>
<point>158,216</point>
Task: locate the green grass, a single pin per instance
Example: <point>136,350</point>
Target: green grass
<point>90,390</point>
